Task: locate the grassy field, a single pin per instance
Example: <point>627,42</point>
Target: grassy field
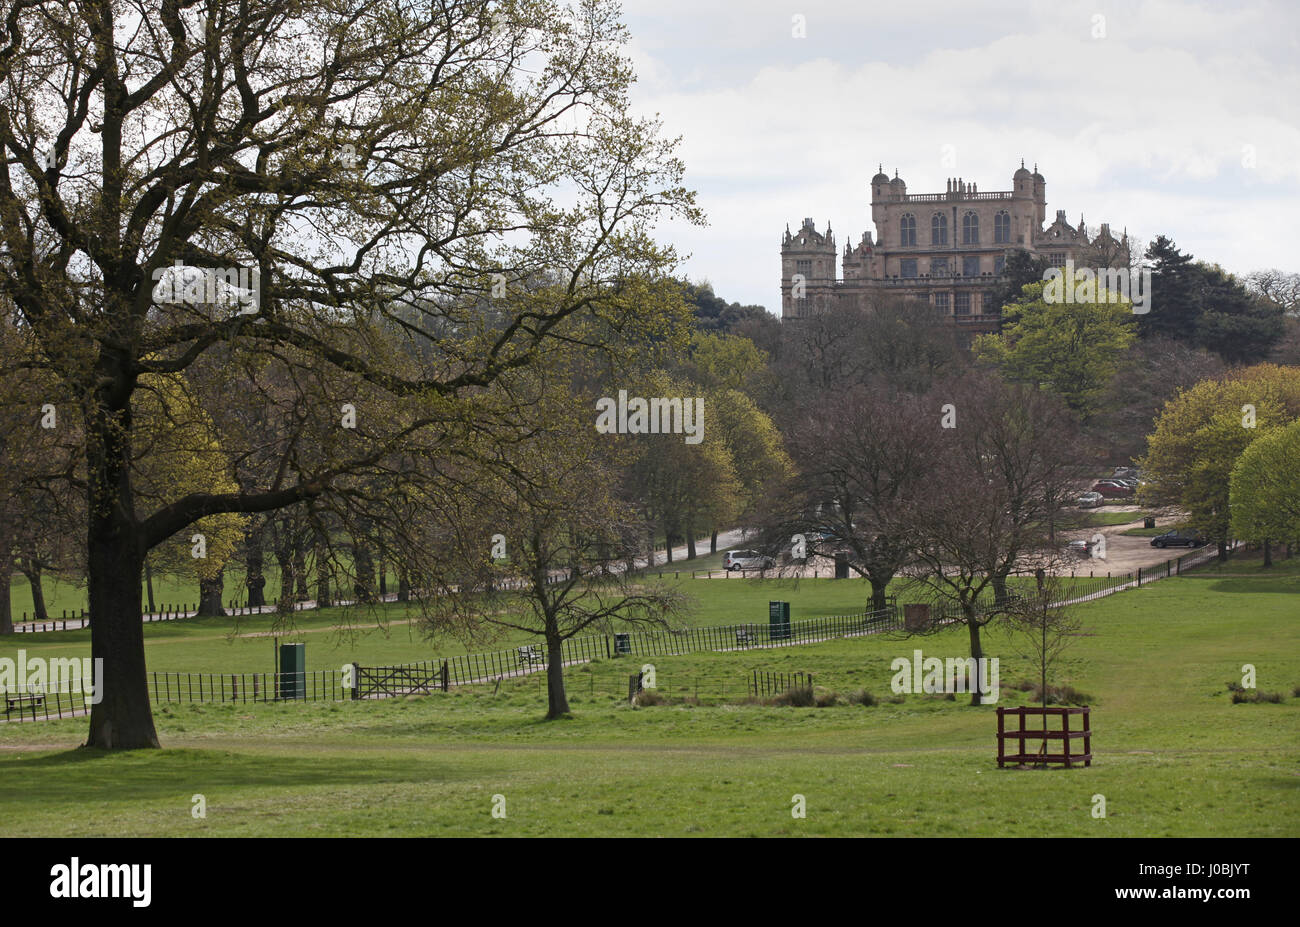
<point>1108,519</point>
<point>1174,755</point>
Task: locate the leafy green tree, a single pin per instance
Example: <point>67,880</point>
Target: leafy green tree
<point>715,314</point>
<point>384,167</point>
<point>1241,327</point>
<point>1201,433</point>
<point>1264,490</point>
<point>1201,304</point>
<point>726,361</point>
<point>182,454</point>
<point>1072,348</point>
<point>1174,302</point>
<point>756,451</point>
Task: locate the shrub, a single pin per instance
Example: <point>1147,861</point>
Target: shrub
<point>649,697</point>
<point>1063,695</point>
<point>1256,696</point>
<point>862,697</point>
<point>825,698</point>
<point>795,698</point>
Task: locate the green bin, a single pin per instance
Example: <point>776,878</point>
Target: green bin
<point>622,643</point>
<point>778,621</point>
<point>293,671</point>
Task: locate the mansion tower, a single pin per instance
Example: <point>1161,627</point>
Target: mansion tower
<point>948,248</point>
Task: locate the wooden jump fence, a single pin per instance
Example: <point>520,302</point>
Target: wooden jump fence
<point>1040,757</point>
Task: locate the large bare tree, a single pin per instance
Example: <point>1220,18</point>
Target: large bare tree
<point>350,191</point>
<point>1007,462</point>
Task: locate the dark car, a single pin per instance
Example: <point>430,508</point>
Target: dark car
<point>1111,489</point>
<point>1180,537</point>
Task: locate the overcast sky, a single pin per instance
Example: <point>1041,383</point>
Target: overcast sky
<point>1178,118</point>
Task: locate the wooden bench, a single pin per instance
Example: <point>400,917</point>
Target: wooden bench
<point>529,655</point>
<point>35,699</point>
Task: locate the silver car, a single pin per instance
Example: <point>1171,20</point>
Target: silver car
<point>747,560</point>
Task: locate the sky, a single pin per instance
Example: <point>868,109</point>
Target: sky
<point>1162,117</point>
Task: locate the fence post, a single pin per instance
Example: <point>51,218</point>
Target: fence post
<point>445,677</point>
<point>356,682</point>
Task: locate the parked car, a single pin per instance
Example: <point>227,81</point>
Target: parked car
<point>1128,473</point>
<point>1090,500</point>
<point>1180,537</point>
<point>1080,547</point>
<point>1111,489</point>
<point>747,560</point>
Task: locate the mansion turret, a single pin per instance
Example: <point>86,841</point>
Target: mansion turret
<point>947,248</point>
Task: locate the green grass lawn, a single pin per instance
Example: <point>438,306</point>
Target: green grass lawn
<point>1173,755</point>
<point>1108,519</point>
<point>168,590</point>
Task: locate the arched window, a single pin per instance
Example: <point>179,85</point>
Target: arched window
<point>970,229</point>
<point>939,229</point>
<point>908,230</point>
<point>1002,228</point>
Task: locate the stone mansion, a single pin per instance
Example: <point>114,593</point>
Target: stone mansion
<point>947,249</point>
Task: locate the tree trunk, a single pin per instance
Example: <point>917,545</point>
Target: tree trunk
<point>668,547</point>
<point>284,559</point>
<point>878,590</point>
<point>403,588</point>
<point>999,590</point>
<point>253,560</point>
<point>301,592</point>
<point>713,541</point>
<point>363,565</point>
<point>557,703</point>
<point>1268,552</point>
<point>383,580</point>
<point>6,607</point>
<point>1223,551</point>
<point>324,570</point>
<point>976,652</point>
<point>210,592</point>
<point>148,585</point>
<point>690,543</point>
<point>115,552</point>
<point>31,568</point>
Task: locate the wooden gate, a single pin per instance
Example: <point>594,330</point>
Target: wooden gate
<point>406,679</point>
